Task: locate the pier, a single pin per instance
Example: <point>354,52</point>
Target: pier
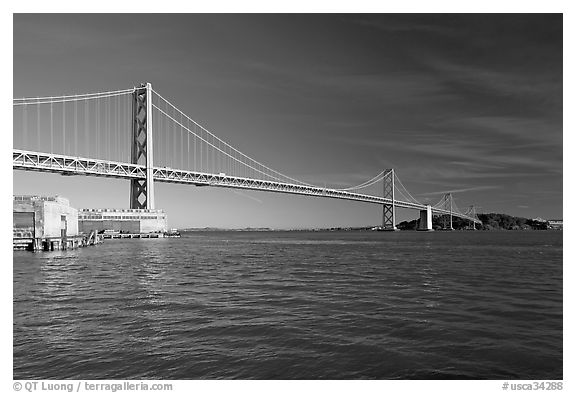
<point>43,223</point>
<point>49,223</point>
<point>56,243</point>
<point>132,235</point>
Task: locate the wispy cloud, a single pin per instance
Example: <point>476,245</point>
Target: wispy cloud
<point>253,198</point>
<point>514,85</point>
<point>456,191</point>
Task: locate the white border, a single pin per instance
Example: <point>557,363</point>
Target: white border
<point>323,6</point>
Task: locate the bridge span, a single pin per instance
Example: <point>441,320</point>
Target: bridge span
<point>138,119</point>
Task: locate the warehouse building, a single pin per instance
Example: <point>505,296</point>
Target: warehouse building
<point>40,216</point>
<point>40,220</point>
<point>122,220</point>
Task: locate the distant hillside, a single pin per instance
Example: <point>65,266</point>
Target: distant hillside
<point>504,221</point>
<point>490,221</point>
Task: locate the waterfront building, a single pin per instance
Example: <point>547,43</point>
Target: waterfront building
<point>123,220</point>
<point>41,216</point>
<point>38,221</point>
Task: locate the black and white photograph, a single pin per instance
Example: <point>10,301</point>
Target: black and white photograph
<point>287,196</point>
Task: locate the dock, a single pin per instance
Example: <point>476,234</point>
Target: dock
<point>27,243</point>
<point>132,235</point>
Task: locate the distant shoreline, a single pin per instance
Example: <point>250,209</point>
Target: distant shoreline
<point>490,222</point>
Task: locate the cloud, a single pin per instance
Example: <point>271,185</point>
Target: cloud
<point>456,191</point>
<point>397,25</point>
<point>247,196</point>
<point>393,86</point>
<point>513,85</point>
<point>526,130</point>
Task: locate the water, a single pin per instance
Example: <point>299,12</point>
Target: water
<point>294,305</point>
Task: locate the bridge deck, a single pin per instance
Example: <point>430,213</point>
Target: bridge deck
<point>68,165</point>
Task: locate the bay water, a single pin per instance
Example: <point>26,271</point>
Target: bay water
<point>294,305</point>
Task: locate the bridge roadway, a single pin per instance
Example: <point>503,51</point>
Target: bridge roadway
<point>68,165</point>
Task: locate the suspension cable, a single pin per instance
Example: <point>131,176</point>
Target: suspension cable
<point>74,95</point>
<point>235,156</point>
<point>217,148</point>
<point>406,190</point>
<point>375,179</point>
<point>228,145</point>
<point>57,101</point>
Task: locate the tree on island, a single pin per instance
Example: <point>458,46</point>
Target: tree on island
<point>490,221</point>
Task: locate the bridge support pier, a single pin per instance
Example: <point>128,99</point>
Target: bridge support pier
<point>425,223</point>
<point>142,191</point>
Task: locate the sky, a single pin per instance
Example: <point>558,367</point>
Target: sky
<point>467,104</point>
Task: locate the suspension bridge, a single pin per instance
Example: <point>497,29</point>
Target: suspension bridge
<point>138,135</point>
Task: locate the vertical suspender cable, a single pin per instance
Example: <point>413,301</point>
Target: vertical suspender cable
<point>25,126</point>
<point>64,126</point>
<point>87,135</point>
<point>160,139</point>
<point>157,140</point>
<point>107,147</point>
<point>168,143</point>
<point>38,125</point>
<point>110,134</point>
<point>201,148</point>
<point>126,122</point>
<point>160,135</point>
<point>105,131</point>
<point>165,140</point>
<point>174,125</point>
<point>76,128</point>
<point>97,128</point>
<point>119,127</point>
<point>116,127</point>
<point>181,144</point>
<point>51,130</point>
<point>211,152</point>
<point>200,151</point>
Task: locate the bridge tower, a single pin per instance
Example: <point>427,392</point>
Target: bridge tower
<point>389,211</point>
<point>446,204</point>
<point>473,215</point>
<point>451,228</point>
<point>142,190</point>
